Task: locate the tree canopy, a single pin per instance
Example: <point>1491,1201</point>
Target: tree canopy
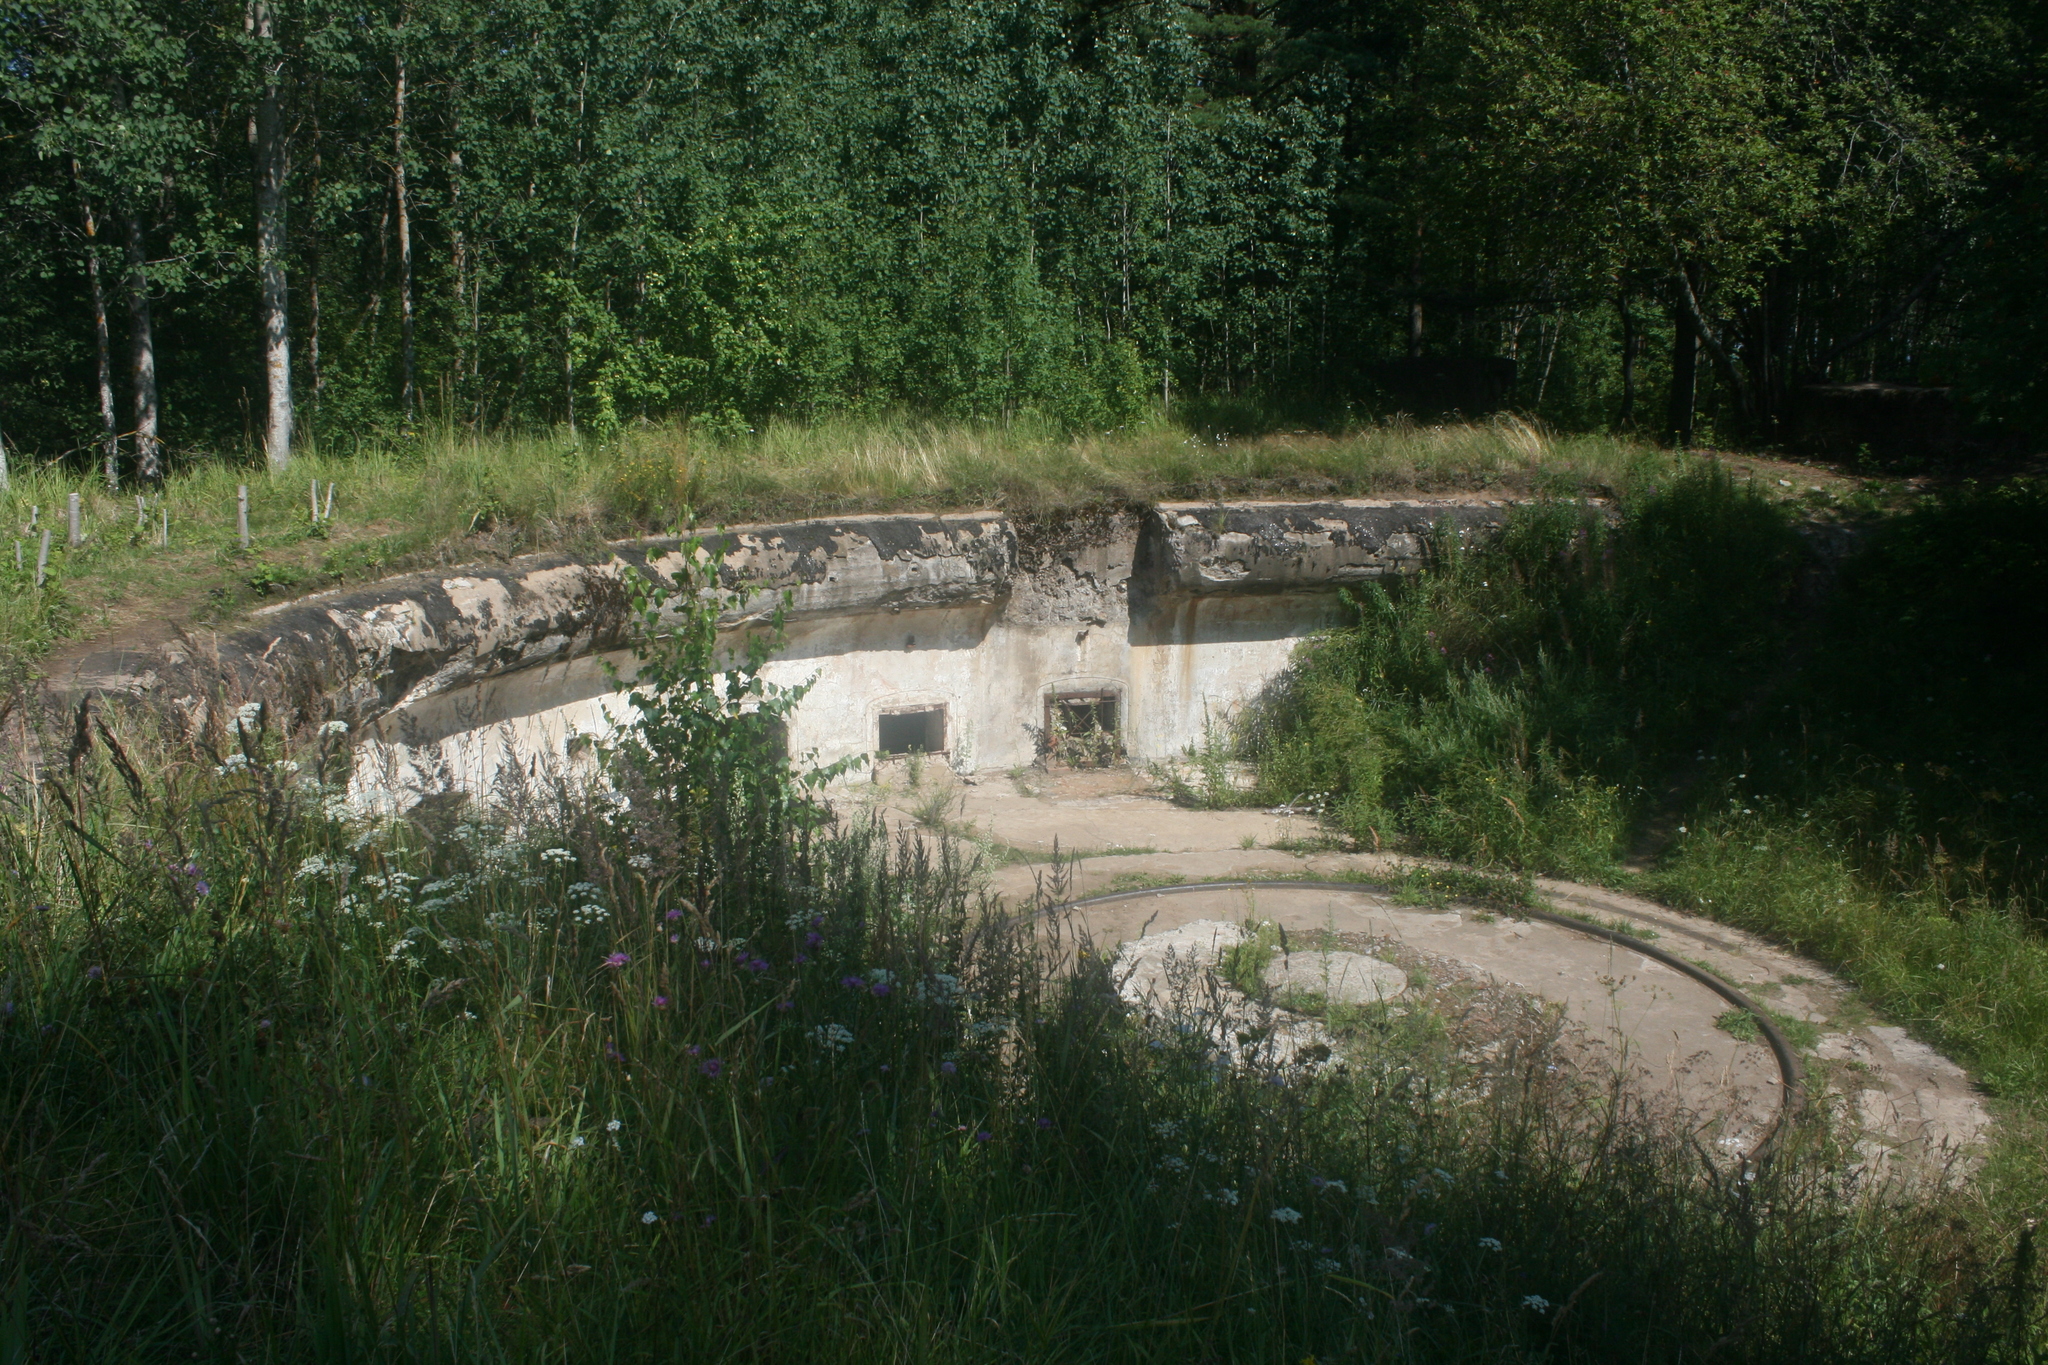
<point>1666,213</point>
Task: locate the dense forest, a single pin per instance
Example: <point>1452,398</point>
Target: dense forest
<point>233,225</point>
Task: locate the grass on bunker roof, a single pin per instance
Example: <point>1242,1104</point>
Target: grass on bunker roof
<point>451,497</point>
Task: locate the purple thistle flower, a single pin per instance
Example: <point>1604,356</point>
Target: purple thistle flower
<point>673,914</point>
<point>757,965</point>
<point>661,1002</point>
<point>802,959</point>
<point>1045,1123</point>
<point>693,1050</point>
<point>200,889</point>
<point>785,1004</point>
<point>618,960</point>
<point>711,1066</point>
<point>613,1052</point>
<point>852,983</point>
<point>813,939</point>
<point>95,972</point>
<point>703,962</point>
<point>983,1136</point>
<point>947,1068</point>
<point>191,869</point>
<point>817,921</point>
<point>675,938</point>
<point>880,988</point>
<point>709,1219</point>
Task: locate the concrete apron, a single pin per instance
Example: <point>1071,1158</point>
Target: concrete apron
<point>1907,1111</point>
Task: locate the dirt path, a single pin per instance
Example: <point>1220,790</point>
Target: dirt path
<point>1904,1107</point>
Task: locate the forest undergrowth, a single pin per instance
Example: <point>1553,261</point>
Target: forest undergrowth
<point>1838,743</point>
<point>668,1065</point>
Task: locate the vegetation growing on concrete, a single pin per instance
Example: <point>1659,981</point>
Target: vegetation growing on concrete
<point>457,499</point>
<point>696,1076</point>
<point>1842,750</point>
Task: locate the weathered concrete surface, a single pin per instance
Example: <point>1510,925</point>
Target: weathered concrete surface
<point>1197,548</point>
<point>1177,615</point>
<point>1906,1110</point>
<point>356,655</point>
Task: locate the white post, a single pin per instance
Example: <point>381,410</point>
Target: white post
<point>76,538</point>
<point>43,559</point>
<point>328,515</point>
<point>141,517</point>
<point>313,497</point>
<point>242,513</point>
<point>167,527</point>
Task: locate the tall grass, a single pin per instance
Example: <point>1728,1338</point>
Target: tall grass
<point>704,1078</point>
<point>1850,769</point>
<point>451,497</point>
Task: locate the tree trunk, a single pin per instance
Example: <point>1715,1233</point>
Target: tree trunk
<point>1684,378</point>
<point>406,392</point>
<point>103,350</point>
<point>1415,297</point>
<point>272,165</point>
<point>1631,342</point>
<point>149,449</point>
<point>458,284</point>
<point>313,279</point>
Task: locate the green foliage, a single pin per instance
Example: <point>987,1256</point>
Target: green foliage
<point>1856,775</point>
<point>271,1069</point>
<point>628,214</point>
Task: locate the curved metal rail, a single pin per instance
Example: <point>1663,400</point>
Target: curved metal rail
<point>1791,1088</point>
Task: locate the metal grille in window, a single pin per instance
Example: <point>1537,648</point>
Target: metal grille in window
<point>1081,729</point>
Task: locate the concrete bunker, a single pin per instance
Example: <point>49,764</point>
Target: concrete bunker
<point>973,638</point>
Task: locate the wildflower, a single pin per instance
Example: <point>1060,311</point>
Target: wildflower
<point>785,1005</point>
<point>1536,1303</point>
<point>757,965</point>
<point>191,870</point>
<point>248,713</point>
<point>95,972</point>
<point>200,888</point>
<point>1172,1163</point>
<point>333,729</point>
<point>1441,1174</point>
<point>711,1066</point>
<point>650,1217</point>
<point>1286,1215</point>
<point>618,960</point>
<point>709,1219</point>
<point>614,1126</point>
<point>1165,1128</point>
<point>813,939</point>
<point>693,1050</point>
<point>576,1141</point>
<point>661,1002</point>
<point>1044,1124</point>
<point>947,1068</point>
<point>557,855</point>
<point>1225,1196</point>
<point>983,1136</point>
<point>852,983</point>
<point>673,915</point>
<point>832,1037</point>
<point>1489,1244</point>
<point>880,988</point>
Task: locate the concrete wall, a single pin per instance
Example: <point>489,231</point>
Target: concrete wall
<point>1180,612</point>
